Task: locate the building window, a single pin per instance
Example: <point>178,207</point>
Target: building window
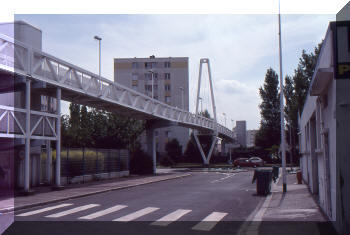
<point>134,65</point>
<point>168,134</point>
<point>167,87</point>
<point>134,87</point>
<point>148,76</point>
<point>148,87</point>
<point>135,76</point>
<point>167,76</point>
<point>167,64</point>
<point>167,99</point>
<point>150,65</point>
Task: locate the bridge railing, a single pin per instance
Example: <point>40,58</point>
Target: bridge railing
<point>23,59</point>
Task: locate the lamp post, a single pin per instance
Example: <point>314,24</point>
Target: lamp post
<point>99,58</point>
<point>182,97</point>
<point>233,124</point>
<point>151,71</point>
<point>283,140</point>
<point>224,114</point>
<point>199,98</point>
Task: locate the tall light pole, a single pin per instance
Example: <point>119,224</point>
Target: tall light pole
<point>233,124</point>
<point>99,59</point>
<point>283,149</point>
<point>182,97</point>
<point>200,99</point>
<point>99,55</point>
<point>151,71</point>
<point>224,114</point>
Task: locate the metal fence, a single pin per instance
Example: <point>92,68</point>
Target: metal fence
<point>89,161</point>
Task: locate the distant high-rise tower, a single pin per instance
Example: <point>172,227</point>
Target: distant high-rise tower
<point>241,133</point>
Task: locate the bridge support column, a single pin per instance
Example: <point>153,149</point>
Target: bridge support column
<point>58,141</point>
<point>27,140</point>
<point>151,146</point>
<point>48,161</point>
<point>206,159</point>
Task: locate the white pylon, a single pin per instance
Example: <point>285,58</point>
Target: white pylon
<point>206,158</point>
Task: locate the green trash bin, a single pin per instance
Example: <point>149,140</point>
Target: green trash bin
<point>263,179</point>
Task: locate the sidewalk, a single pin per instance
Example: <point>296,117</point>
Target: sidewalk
<point>44,195</point>
<point>293,212</point>
<point>296,205</point>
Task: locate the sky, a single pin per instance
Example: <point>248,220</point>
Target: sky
<point>240,47</point>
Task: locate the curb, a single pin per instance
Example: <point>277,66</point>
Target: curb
<point>7,210</point>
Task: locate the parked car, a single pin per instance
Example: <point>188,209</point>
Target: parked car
<point>249,162</point>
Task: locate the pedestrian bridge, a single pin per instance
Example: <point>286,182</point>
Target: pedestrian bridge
<point>81,86</point>
<point>35,73</point>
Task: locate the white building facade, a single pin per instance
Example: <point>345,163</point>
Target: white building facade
<point>324,126</point>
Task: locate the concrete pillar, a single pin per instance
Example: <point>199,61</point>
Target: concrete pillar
<point>151,147</point>
<point>27,139</point>
<point>48,161</point>
<point>58,142</point>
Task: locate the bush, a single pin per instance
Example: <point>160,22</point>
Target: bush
<point>166,161</point>
<point>141,163</point>
<point>173,149</point>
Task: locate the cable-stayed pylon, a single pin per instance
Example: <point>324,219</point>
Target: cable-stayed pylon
<point>206,158</point>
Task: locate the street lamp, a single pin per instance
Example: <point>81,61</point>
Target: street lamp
<point>233,124</point>
<point>99,58</point>
<point>200,99</point>
<point>151,71</point>
<point>182,97</point>
<point>225,117</point>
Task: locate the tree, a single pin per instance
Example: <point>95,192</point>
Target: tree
<point>269,132</point>
<point>74,124</point>
<point>295,90</point>
<point>85,128</point>
<point>173,149</point>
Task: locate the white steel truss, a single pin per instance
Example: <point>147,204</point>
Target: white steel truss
<point>37,65</point>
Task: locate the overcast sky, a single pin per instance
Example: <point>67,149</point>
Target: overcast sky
<point>240,48</point>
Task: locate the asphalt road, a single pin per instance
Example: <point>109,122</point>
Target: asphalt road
<point>209,203</point>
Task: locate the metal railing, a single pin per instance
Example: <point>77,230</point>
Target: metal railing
<point>23,59</point>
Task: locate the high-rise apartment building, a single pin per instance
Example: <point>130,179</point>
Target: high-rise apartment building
<point>240,131</point>
<point>170,85</point>
<point>251,138</point>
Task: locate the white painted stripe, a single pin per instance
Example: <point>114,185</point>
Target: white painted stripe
<point>103,212</point>
<point>209,222</point>
<point>71,211</point>
<point>164,221</point>
<point>136,214</point>
<point>44,209</point>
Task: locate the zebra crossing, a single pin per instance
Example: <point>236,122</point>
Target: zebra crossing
<point>61,210</point>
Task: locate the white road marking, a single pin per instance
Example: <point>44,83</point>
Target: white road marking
<point>103,212</point>
<point>71,211</point>
<point>228,175</point>
<point>209,222</point>
<point>136,214</point>
<point>44,209</point>
<point>164,221</point>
